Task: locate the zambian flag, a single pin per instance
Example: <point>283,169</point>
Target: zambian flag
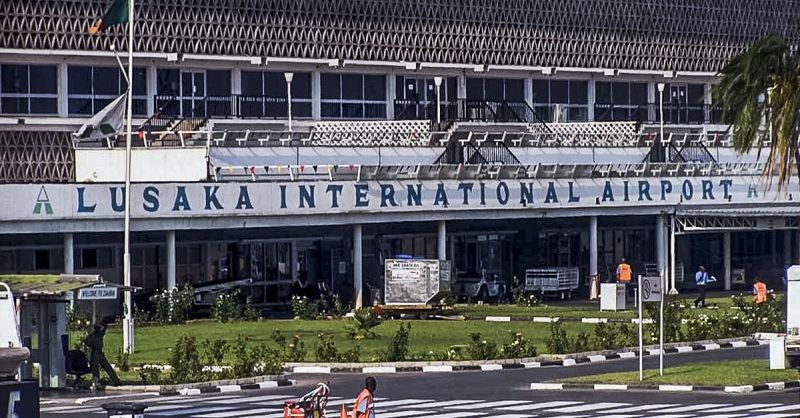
<point>117,14</point>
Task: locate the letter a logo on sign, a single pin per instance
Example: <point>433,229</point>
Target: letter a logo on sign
<point>42,200</point>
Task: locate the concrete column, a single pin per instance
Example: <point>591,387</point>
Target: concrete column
<point>316,96</point>
<point>652,97</point>
<point>593,245</point>
<point>58,373</point>
<point>726,258</point>
<point>236,81</point>
<point>294,270</point>
<point>462,86</point>
<point>357,265</point>
<point>442,241</point>
<point>391,94</point>
<point>62,90</point>
<point>528,91</point>
<point>590,99</point>
<point>152,88</point>
<point>69,254</point>
<point>787,247</point>
<point>171,267</point>
<point>661,248</point>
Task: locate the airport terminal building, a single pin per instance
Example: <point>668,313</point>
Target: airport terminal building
<point>278,140</point>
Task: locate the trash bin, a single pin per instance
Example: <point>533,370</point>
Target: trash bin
<point>124,410</point>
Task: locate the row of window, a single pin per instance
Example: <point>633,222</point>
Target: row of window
<point>33,89</point>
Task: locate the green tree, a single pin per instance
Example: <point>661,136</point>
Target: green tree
<point>759,93</point>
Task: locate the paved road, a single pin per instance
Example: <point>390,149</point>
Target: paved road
<point>501,394</point>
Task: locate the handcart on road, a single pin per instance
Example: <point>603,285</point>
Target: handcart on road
<point>310,405</point>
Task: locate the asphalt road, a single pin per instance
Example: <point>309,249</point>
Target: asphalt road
<point>497,394</point>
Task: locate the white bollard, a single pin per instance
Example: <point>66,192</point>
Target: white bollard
<point>777,353</point>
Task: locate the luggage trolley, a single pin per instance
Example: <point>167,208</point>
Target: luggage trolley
<point>310,405</point>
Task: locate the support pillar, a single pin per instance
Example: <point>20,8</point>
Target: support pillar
<point>661,248</point>
<point>69,253</point>
<point>592,245</point>
<point>294,271</point>
<point>672,289</point>
<point>787,247</point>
<point>442,241</point>
<point>171,283</point>
<point>357,265</point>
<point>726,258</point>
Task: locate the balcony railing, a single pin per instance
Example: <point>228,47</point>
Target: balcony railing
<point>231,106</point>
<point>674,114</point>
<point>467,111</point>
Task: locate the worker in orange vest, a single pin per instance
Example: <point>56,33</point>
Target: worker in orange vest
<point>760,292</point>
<point>624,272</point>
<point>365,404</point>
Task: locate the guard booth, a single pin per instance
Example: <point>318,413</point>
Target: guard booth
<point>41,304</point>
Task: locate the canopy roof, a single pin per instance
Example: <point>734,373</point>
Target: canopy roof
<point>47,284</point>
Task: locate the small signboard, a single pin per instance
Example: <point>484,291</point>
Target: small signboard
<point>97,293</point>
<point>651,289</point>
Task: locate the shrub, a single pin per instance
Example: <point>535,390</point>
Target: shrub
<point>213,358</point>
<point>557,342</point>
<point>519,347</point>
<point>123,361</point>
<point>581,343</point>
<point>479,349</point>
<point>364,321</point>
<point>293,352</point>
<point>173,305</point>
<point>326,349</point>
<point>673,318</point>
<point>304,308</point>
<point>254,360</point>
<point>149,375</point>
<point>520,296</point>
<point>226,306</point>
<point>400,345</point>
<point>185,361</point>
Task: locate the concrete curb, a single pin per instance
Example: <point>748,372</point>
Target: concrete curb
<point>511,364</point>
<point>776,387</point>
<point>548,319</point>
<point>220,386</point>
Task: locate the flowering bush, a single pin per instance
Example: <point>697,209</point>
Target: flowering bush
<point>480,349</point>
<point>364,322</point>
<point>304,308</point>
<point>518,347</point>
<point>173,305</point>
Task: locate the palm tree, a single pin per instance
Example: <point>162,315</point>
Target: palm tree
<point>758,89</point>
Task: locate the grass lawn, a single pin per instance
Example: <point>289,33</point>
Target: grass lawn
<point>153,342</point>
<point>721,373</point>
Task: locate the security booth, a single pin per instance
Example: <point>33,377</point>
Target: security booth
<point>41,304</point>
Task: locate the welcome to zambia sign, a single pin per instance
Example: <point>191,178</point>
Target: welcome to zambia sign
<point>165,200</point>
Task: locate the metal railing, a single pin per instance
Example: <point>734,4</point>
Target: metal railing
<point>232,106</point>
<point>465,110</point>
<point>515,139</point>
<point>362,172</point>
<point>674,113</point>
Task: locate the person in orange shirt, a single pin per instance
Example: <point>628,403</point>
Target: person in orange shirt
<point>759,292</point>
<point>365,404</point>
<point>624,272</point>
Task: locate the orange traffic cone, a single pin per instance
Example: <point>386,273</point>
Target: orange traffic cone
<point>343,413</point>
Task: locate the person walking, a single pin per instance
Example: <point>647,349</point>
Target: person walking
<point>365,403</point>
<point>701,280</point>
<point>97,359</point>
<point>759,292</point>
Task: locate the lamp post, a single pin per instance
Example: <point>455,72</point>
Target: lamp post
<point>289,77</point>
<point>661,108</point>
<point>438,82</point>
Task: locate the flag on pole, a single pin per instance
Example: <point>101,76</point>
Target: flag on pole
<point>105,123</point>
<point>117,14</point>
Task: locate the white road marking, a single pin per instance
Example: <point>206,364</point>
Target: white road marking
<point>696,407</point>
<point>237,413</point>
<point>245,399</point>
<point>487,405</point>
<point>438,404</point>
<point>743,407</point>
<point>544,405</point>
<point>640,408</point>
<point>589,407</point>
<point>782,408</point>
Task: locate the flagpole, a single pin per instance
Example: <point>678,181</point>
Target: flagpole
<point>127,323</point>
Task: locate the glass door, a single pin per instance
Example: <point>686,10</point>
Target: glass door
<point>193,93</point>
<point>678,101</point>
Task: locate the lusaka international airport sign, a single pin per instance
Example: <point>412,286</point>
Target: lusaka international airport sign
<point>59,201</point>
